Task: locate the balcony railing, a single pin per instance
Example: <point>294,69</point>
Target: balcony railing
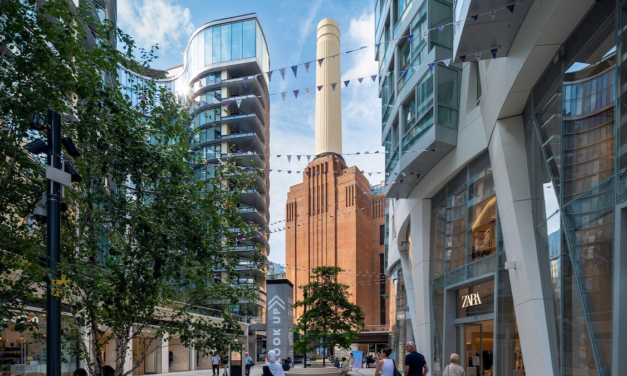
<point>375,328</point>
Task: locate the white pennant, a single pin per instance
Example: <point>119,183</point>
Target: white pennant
<point>458,24</point>
<point>492,14</point>
<point>425,34</point>
<point>478,56</point>
<point>239,101</point>
<point>447,62</point>
<point>307,91</point>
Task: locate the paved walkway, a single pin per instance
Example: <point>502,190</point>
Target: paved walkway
<point>257,370</point>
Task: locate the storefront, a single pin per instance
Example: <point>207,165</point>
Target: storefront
<point>400,328</point>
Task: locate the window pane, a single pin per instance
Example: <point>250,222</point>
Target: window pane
<point>236,47</point>
<point>482,213</point>
<point>447,86</point>
<point>208,45</point>
<point>225,42</point>
<point>248,39</point>
<point>216,45</point>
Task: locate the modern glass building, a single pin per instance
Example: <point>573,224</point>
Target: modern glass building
<point>222,76</point>
<point>509,184</point>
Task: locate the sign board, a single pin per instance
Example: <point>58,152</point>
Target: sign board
<point>359,359</point>
<point>471,300</point>
<point>280,317</point>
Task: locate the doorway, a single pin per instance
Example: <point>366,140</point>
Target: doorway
<point>476,347</point>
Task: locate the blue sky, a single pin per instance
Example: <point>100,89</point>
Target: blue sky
<point>290,29</point>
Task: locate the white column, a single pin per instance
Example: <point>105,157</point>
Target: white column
<point>509,166</point>
<point>165,354</point>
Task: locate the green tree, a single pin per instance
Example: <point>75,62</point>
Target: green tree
<point>141,238</point>
<point>331,319</point>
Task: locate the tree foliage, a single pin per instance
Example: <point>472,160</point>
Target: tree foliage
<point>141,238</point>
<point>331,319</point>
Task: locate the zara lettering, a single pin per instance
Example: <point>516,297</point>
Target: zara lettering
<point>471,300</point>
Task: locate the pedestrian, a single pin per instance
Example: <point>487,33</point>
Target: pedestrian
<point>80,372</point>
<point>249,364</point>
<point>345,364</point>
<point>225,362</point>
<point>351,361</point>
<point>415,363</point>
<point>215,364</point>
<point>272,368</point>
<point>108,371</point>
<point>289,360</point>
<point>336,363</point>
<point>385,366</point>
<point>285,365</point>
<point>454,369</point>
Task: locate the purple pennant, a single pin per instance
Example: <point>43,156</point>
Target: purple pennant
<point>320,61</point>
<point>377,46</point>
<point>282,71</point>
<point>319,87</point>
<point>463,58</point>
<point>431,65</point>
<point>441,28</point>
<point>374,77</point>
<point>475,17</point>
<point>360,79</point>
<point>346,83</point>
<point>307,66</point>
<point>410,38</point>
<point>294,69</point>
<point>245,79</point>
<point>333,85</point>
<point>511,8</point>
<point>296,93</point>
<point>283,94</point>
<point>494,51</point>
<point>227,103</point>
<point>401,71</point>
<point>270,76</point>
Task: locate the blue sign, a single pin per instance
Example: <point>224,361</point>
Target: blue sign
<point>359,358</point>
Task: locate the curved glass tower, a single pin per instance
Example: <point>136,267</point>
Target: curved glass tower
<point>222,73</point>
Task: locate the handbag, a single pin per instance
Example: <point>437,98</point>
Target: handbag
<point>396,371</point>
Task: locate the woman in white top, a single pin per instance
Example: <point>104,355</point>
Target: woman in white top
<point>454,369</point>
<point>385,366</point>
<point>351,361</point>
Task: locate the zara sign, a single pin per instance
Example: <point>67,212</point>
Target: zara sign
<point>471,300</point>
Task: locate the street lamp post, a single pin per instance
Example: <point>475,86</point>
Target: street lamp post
<point>53,303</point>
<point>305,328</point>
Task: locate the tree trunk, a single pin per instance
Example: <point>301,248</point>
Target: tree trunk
<point>324,351</point>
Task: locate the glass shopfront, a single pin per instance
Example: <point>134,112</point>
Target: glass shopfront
<point>473,310</point>
<point>400,323</point>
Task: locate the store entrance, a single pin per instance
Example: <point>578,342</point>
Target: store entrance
<point>476,346</point>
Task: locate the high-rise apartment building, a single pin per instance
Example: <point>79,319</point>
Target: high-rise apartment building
<point>505,245</point>
<point>332,217</point>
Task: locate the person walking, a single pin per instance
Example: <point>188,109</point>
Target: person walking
<point>351,361</point>
<point>415,363</point>
<point>385,366</point>
<point>272,368</point>
<point>225,363</point>
<point>249,363</point>
<point>215,364</point>
<point>454,369</point>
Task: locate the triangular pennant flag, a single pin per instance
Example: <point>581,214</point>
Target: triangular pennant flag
<point>441,28</point>
<point>346,83</point>
<point>239,101</point>
<point>478,56</point>
<point>296,93</point>
<point>333,85</point>
<point>475,17</point>
<point>463,58</point>
<point>494,51</point>
<point>200,83</point>
<point>319,87</point>
<point>401,71</point>
<point>289,171</point>
<point>410,38</point>
<point>269,76</point>
<point>425,34</point>
<point>511,8</point>
<point>387,73</point>
<point>282,71</point>
<point>374,77</point>
<point>307,91</point>
<point>289,158</point>
<point>283,94</point>
<point>416,68</point>
<point>308,158</point>
<point>245,80</point>
<point>447,62</point>
<point>377,46</point>
<point>227,103</point>
<point>295,69</point>
<point>492,14</point>
<point>211,80</point>
<point>307,66</point>
<point>298,157</point>
<point>320,62</point>
<point>457,24</point>
<point>215,100</point>
<point>360,79</point>
<point>431,65</point>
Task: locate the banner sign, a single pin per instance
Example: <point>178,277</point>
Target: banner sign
<point>359,358</point>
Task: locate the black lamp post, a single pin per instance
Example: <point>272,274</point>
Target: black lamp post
<point>305,328</point>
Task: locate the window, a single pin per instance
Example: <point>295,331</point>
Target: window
<point>249,39</point>
<point>447,96</point>
<point>208,46</point>
<point>225,42</point>
<point>236,40</point>
<point>381,234</point>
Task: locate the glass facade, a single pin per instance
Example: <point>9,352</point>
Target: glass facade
<point>401,330</point>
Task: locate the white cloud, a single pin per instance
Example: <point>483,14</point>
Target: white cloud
<point>152,22</point>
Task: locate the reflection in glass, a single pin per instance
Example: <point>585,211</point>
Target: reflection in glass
<point>225,42</point>
<point>456,229</point>
<point>216,45</point>
<point>439,240</point>
<point>549,123</point>
<point>510,360</point>
<point>236,40</point>
<point>249,39</point>
<point>482,215</point>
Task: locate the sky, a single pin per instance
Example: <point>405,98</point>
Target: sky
<point>290,30</point>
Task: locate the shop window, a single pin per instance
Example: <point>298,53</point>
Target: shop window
<point>456,205</point>
<point>482,216</point>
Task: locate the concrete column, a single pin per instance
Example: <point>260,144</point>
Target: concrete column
<point>165,354</point>
<point>409,290</point>
<point>328,101</point>
<point>509,166</point>
<point>420,230</point>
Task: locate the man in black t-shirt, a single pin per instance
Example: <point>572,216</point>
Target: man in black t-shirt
<point>415,363</point>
